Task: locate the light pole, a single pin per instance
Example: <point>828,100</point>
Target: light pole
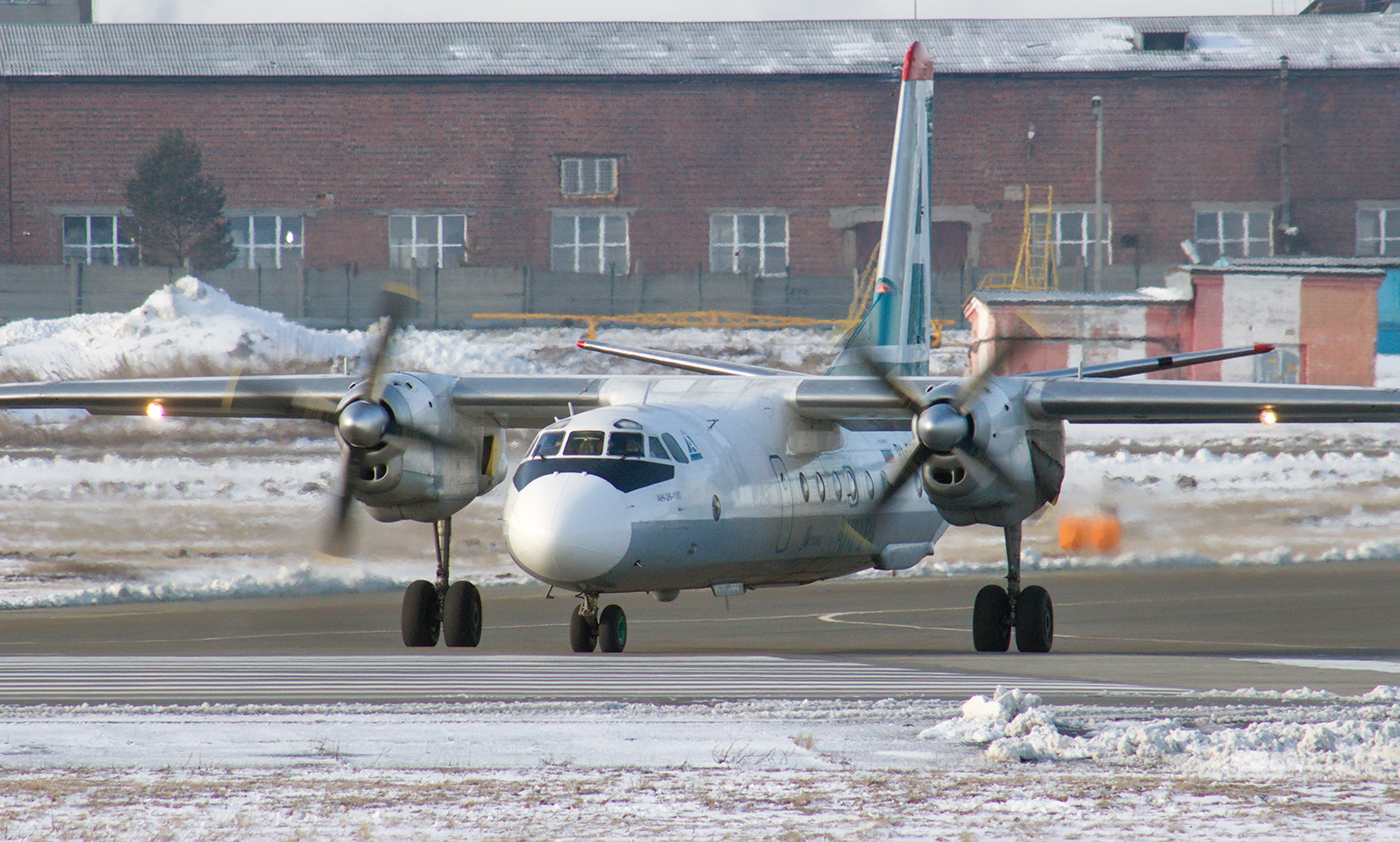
<point>1096,104</point>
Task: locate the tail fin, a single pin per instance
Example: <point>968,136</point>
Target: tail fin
<point>895,330</point>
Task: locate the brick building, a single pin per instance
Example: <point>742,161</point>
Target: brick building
<point>713,149</point>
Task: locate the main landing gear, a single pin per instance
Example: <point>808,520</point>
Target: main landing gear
<point>998,610</point>
<point>591,629</point>
<point>453,609</point>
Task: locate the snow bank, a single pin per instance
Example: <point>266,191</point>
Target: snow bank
<point>1014,726</point>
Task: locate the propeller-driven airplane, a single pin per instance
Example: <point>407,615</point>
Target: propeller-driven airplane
<point>743,477</point>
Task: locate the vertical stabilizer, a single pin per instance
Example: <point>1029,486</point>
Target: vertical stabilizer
<point>895,330</point>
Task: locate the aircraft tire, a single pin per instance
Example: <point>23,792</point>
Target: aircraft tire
<point>583,635</point>
<point>420,620</point>
<point>990,630</point>
<point>612,629</point>
<point>1035,620</point>
<point>461,615</point>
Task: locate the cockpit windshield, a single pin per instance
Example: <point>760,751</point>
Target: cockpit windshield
<point>584,443</point>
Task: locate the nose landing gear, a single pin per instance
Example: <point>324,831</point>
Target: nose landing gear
<point>591,629</point>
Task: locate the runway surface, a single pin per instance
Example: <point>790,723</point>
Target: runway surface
<point>1146,633</point>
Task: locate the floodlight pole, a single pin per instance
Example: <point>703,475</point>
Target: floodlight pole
<point>1096,105</point>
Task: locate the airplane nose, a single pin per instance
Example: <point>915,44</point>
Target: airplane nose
<point>568,527</point>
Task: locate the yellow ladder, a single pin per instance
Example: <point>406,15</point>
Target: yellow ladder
<point>1035,260</point>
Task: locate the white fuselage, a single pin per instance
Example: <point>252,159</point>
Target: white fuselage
<point>705,482</point>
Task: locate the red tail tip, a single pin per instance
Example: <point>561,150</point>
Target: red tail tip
<point>1262,347</point>
<point>583,343</point>
<point>918,64</point>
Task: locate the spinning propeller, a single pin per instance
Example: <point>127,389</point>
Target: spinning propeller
<point>362,419</point>
<point>943,426</point>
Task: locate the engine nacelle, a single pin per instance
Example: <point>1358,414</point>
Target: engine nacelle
<point>407,478</point>
<point>1029,454</point>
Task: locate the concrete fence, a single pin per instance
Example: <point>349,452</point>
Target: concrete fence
<point>347,297</point>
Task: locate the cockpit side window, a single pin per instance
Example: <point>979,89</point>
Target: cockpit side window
<point>548,443</point>
<point>584,443</point>
<point>675,448</point>
<point>626,444</point>
<point>658,450</point>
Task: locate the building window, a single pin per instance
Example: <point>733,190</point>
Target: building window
<point>1229,233</point>
<point>595,243</point>
<point>269,241</point>
<point>749,244</point>
<point>106,239</point>
<point>1378,232</point>
<point>588,176</point>
<point>1072,232</point>
<point>427,240</point>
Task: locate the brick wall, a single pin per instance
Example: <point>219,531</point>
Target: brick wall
<point>346,152</point>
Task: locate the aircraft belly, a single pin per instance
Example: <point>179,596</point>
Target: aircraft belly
<point>687,554</point>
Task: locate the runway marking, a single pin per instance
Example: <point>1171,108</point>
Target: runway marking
<point>228,679</point>
<point>1327,664</point>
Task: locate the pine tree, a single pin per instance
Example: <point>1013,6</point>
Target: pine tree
<point>178,211</point>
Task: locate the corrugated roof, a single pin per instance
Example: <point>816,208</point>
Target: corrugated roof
<point>872,47</point>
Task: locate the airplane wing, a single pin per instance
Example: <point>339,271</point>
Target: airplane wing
<point>270,396</point>
<point>1165,401</point>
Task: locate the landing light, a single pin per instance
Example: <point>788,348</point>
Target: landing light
<point>155,410</point>
<point>1268,416</point>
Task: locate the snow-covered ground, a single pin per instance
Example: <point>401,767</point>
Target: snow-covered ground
<point>1000,767</point>
<point>114,510</point>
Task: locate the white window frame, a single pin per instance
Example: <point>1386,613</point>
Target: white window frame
<point>590,242</point>
<point>733,251</point>
<point>1386,243</point>
<point>286,250</point>
<point>580,176</point>
<point>122,246</point>
<point>431,241</point>
<point>1256,231</point>
<point>1080,244</point>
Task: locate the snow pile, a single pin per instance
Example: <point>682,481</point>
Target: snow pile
<point>1015,726</point>
<point>187,326</point>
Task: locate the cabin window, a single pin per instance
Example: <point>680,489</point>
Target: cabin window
<point>806,491</point>
<point>821,487</point>
<point>855,489</point>
<point>627,444</point>
<point>869,486</point>
<point>584,443</point>
<point>675,448</point>
<point>658,450</point>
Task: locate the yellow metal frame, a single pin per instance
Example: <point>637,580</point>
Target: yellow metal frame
<point>704,319</point>
<point>1035,260</point>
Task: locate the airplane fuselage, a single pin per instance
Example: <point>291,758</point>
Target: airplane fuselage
<point>709,482</point>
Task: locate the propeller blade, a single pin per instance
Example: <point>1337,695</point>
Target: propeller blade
<point>337,543</point>
<point>394,306</point>
<point>911,400</point>
<point>971,386</point>
<point>910,461</point>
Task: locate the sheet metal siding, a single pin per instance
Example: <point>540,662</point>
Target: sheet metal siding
<point>1312,42</point>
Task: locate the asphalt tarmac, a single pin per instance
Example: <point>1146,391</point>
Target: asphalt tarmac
<point>1332,626</point>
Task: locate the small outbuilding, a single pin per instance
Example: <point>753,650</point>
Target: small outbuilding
<point>1320,313</point>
